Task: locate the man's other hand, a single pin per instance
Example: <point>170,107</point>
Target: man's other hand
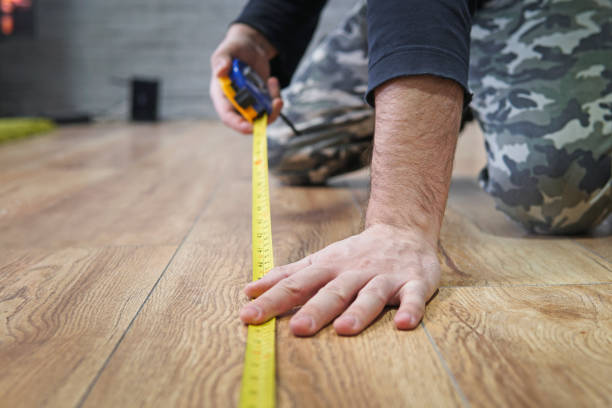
<point>248,45</point>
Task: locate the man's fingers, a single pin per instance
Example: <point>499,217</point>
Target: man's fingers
<point>286,294</point>
<point>328,303</point>
<point>368,305</point>
<point>274,88</point>
<point>277,106</point>
<point>277,102</point>
<point>274,276</point>
<point>221,63</point>
<point>413,296</point>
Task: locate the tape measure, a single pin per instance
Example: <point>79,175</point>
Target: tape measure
<point>248,94</point>
<point>259,374</point>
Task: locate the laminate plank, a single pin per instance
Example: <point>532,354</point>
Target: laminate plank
<point>29,153</point>
<point>469,200</point>
<point>61,314</point>
<point>153,197</point>
<point>470,155</point>
<point>527,346</point>
<point>186,347</point>
<point>470,257</point>
<point>382,367</point>
<point>28,194</point>
<point>600,241</point>
<point>499,251</point>
<point>601,246</point>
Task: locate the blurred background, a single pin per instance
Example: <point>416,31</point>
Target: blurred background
<point>71,58</point>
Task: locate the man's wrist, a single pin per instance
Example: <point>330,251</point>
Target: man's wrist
<point>263,46</point>
<point>417,123</point>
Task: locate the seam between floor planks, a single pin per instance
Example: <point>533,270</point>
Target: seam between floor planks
<point>452,378</point>
<point>125,332</point>
<point>432,343</point>
<point>592,251</point>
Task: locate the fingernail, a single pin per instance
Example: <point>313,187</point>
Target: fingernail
<point>305,321</point>
<point>218,65</point>
<point>350,321</point>
<point>250,313</point>
<point>403,317</point>
<point>414,321</point>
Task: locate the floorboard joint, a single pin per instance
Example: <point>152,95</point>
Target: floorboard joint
<point>178,248</point>
<point>594,253</point>
<point>464,399</point>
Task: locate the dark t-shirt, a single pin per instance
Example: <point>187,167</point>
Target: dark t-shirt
<point>405,37</point>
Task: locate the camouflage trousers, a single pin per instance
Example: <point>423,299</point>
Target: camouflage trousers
<point>541,74</point>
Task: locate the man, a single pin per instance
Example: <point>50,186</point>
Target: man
<point>541,74</point>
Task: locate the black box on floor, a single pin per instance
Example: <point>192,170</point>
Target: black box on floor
<point>145,99</point>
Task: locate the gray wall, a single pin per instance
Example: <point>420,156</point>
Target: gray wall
<point>84,49</point>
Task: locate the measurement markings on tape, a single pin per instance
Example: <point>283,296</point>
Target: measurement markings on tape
<point>258,378</point>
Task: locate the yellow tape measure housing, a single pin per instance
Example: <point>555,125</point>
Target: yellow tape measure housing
<point>249,113</point>
<point>258,378</point>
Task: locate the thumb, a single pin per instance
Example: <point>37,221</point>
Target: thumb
<point>221,65</point>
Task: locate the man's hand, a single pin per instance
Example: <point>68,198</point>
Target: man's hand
<point>394,260</point>
<point>247,44</point>
<point>354,278</point>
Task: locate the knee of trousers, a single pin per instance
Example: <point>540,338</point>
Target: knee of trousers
<point>560,196</point>
<point>308,165</point>
<point>318,153</point>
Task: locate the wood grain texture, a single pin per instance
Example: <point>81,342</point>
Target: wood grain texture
<point>470,156</point>
<point>382,367</point>
<point>600,246</point>
<point>187,345</point>
<point>527,346</point>
<point>160,179</point>
<point>61,314</point>
<point>471,257</point>
<point>90,217</point>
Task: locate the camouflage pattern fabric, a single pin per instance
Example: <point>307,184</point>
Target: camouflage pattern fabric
<point>541,73</point>
<point>325,103</point>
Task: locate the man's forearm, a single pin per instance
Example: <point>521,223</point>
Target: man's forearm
<point>417,124</point>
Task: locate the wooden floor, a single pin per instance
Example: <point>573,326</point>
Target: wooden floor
<point>124,250</point>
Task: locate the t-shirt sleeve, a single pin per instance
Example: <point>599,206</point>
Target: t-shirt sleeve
<point>417,37</point>
<point>288,25</point>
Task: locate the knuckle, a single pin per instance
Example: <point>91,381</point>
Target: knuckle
<point>216,55</point>
<point>374,293</point>
<point>278,271</point>
<point>359,311</point>
<point>291,288</point>
<point>266,303</point>
<point>227,121</point>
<point>417,288</point>
<point>376,290</point>
<point>336,292</point>
<point>313,309</point>
<point>308,260</point>
<point>414,307</point>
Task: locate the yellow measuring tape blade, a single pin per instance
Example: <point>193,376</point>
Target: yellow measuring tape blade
<point>258,378</point>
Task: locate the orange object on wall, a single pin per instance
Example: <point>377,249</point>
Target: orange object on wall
<point>7,25</point>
